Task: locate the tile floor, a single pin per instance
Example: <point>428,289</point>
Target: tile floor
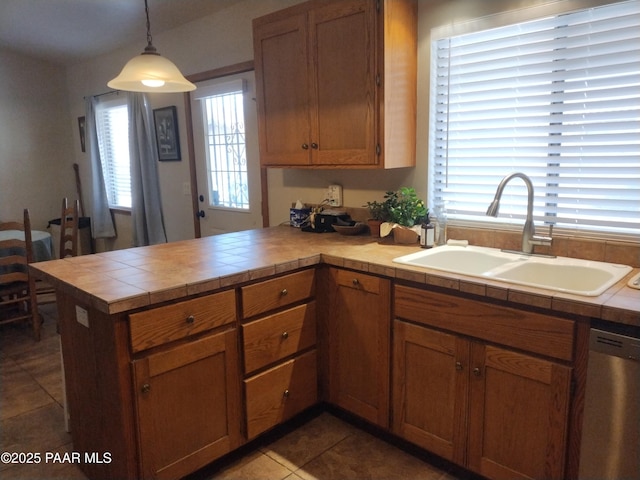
<point>321,447</point>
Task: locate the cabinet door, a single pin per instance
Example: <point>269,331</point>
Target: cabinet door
<point>343,90</point>
<point>282,88</point>
<point>430,389</point>
<point>359,337</point>
<point>188,401</point>
<point>518,414</point>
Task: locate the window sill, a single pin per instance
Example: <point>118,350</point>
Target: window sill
<point>120,210</point>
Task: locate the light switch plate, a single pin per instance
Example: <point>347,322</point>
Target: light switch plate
<point>334,195</point>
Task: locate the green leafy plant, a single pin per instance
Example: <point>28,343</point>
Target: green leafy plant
<point>404,207</point>
<point>377,210</point>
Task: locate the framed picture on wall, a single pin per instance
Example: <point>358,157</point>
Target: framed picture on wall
<point>166,121</point>
<point>81,125</point>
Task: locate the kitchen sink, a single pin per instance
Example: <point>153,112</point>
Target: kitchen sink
<point>570,275</point>
<point>466,260</point>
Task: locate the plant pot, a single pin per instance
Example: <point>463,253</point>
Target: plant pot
<point>374,227</point>
<point>405,235</point>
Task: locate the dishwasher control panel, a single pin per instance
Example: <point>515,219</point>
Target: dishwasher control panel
<point>614,344</point>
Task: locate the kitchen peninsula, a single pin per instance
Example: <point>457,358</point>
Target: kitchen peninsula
<point>177,354</point>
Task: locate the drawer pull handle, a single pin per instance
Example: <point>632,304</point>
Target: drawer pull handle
<point>284,292</point>
<point>285,335</point>
<point>458,366</point>
<point>146,388</point>
<point>476,372</point>
<point>355,281</point>
<point>285,394</point>
<point>191,319</point>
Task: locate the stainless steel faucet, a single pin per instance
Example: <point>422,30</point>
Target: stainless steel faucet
<point>529,237</point>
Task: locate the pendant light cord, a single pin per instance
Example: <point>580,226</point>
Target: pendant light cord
<point>150,49</point>
<point>146,11</point>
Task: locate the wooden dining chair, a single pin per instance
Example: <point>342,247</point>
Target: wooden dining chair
<point>17,286</point>
<point>68,247</point>
<point>69,229</point>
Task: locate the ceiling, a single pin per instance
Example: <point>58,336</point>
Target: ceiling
<point>67,32</point>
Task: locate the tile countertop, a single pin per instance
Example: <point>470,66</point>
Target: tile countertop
<point>123,280</point>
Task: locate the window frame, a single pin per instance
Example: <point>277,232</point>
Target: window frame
<point>106,157</point>
<point>236,87</point>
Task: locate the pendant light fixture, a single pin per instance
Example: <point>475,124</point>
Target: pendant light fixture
<point>150,72</point>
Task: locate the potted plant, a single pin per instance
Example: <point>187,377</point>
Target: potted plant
<point>406,211</point>
<point>377,215</point>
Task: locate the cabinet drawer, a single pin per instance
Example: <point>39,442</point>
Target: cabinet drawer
<point>533,332</point>
<point>357,280</point>
<point>280,393</point>
<point>278,336</point>
<point>165,324</point>
<point>278,292</point>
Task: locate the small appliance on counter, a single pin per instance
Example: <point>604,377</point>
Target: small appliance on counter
<point>324,221</point>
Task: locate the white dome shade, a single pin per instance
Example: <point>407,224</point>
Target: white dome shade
<point>150,72</point>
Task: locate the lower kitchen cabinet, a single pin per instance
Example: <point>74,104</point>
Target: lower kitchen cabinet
<point>279,349</point>
<point>188,405</point>
<point>500,412</point>
<point>359,321</point>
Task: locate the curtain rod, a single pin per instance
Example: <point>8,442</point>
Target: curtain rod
<point>101,94</point>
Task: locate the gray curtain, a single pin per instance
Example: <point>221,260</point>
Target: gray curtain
<point>146,201</point>
<point>101,221</point>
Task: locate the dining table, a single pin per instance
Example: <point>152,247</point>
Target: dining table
<point>41,242</point>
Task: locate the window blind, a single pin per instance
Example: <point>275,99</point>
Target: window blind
<point>556,98</point>
<point>112,124</point>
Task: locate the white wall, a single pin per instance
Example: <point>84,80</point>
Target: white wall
<point>36,162</point>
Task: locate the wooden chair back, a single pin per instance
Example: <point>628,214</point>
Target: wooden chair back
<point>69,229</point>
<point>17,286</point>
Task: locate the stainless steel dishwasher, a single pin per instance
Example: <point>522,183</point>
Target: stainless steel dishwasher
<point>610,447</point>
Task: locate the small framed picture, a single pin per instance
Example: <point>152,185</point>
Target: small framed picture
<point>81,125</point>
<point>166,121</point>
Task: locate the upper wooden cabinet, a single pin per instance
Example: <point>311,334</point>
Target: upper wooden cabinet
<point>336,84</point>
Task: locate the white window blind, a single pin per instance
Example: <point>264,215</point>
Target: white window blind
<point>224,133</point>
<point>556,98</point>
<point>112,123</point>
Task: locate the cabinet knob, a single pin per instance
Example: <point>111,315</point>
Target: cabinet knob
<point>285,394</point>
<point>476,372</point>
<point>285,335</point>
<point>458,366</point>
<point>355,282</point>
<point>145,388</point>
<point>283,292</point>
<point>191,319</point>
<point>314,145</point>
<point>305,146</point>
